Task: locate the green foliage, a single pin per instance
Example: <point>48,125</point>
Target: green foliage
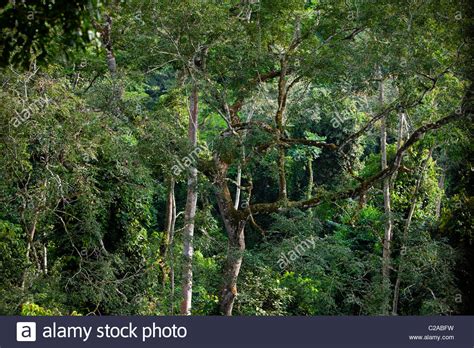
<point>12,251</point>
<point>37,29</point>
<point>87,156</point>
<point>304,293</point>
<point>32,309</point>
<point>260,291</point>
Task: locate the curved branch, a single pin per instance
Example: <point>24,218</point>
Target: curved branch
<point>393,106</point>
<point>308,142</point>
<point>363,187</point>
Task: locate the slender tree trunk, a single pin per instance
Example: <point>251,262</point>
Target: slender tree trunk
<point>387,240</point>
<point>30,248</point>
<point>309,191</point>
<point>170,220</point>
<point>190,211</point>
<point>107,41</point>
<point>401,123</point>
<point>170,215</point>
<point>400,136</point>
<point>171,250</point>
<point>105,31</point>
<point>386,190</point>
<point>31,237</point>
<point>239,168</point>
<point>283,194</point>
<point>238,181</point>
<point>406,230</point>
<point>45,259</point>
<point>439,198</point>
<point>279,121</point>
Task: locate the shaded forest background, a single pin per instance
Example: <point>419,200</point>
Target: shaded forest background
<point>248,157</point>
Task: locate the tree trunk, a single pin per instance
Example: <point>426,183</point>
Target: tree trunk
<point>282,97</point>
<point>106,36</point>
<point>387,240</point>
<point>238,181</point>
<point>30,248</point>
<point>234,224</point>
<point>386,190</point>
<point>190,210</point>
<point>439,198</point>
<point>406,230</point>
<point>400,136</point>
<point>170,222</point>
<point>235,253</point>
<point>309,191</point>
<point>283,194</point>
<point>235,249</point>
<point>171,251</point>
<point>105,31</point>
<point>401,123</point>
<point>45,258</point>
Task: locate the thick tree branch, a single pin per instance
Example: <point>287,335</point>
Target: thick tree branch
<point>308,142</point>
<point>362,188</point>
<point>394,106</point>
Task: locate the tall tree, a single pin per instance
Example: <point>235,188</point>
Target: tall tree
<point>190,210</point>
<point>387,240</point>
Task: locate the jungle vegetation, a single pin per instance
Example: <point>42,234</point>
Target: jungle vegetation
<point>236,157</point>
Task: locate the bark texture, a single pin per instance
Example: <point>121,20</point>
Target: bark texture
<point>190,210</point>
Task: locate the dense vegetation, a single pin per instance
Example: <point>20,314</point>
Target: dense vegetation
<point>245,157</point>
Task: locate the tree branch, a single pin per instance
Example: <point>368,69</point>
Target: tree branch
<point>362,188</point>
<point>308,142</point>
